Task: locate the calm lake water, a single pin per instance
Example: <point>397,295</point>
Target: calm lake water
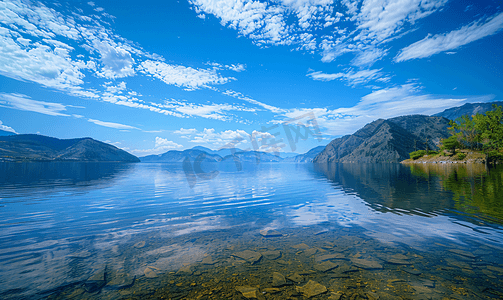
<point>269,231</point>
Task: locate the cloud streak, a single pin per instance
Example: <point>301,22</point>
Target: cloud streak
<point>432,45</point>
<point>112,125</point>
<point>352,78</point>
<point>24,102</point>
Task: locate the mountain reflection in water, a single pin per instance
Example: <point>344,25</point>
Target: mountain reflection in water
<point>468,190</point>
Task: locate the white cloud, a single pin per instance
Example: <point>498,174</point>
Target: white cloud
<point>232,67</point>
<point>112,125</point>
<point>6,128</point>
<point>117,61</point>
<point>256,141</point>
<point>181,76</point>
<point>161,146</point>
<point>351,77</point>
<point>24,102</point>
<point>431,45</point>
<point>210,138</point>
<point>183,131</point>
<point>368,24</point>
<point>160,142</point>
<point>58,49</point>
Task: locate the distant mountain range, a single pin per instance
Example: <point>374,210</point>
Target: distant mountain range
<point>33,147</point>
<point>388,140</point>
<point>227,154</point>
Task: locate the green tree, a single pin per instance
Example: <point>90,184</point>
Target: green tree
<point>450,143</point>
<point>490,128</point>
<point>465,131</point>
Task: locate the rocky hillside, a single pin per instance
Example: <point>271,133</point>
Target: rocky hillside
<point>386,140</point>
<point>469,109</point>
<point>32,147</point>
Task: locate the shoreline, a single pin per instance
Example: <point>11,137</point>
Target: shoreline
<point>472,157</point>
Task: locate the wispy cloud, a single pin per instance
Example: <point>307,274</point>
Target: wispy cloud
<point>6,128</point>
<point>112,125</point>
<point>60,47</point>
<point>359,27</point>
<point>240,96</point>
<point>432,45</point>
<point>351,77</point>
<point>24,102</point>
<point>189,78</point>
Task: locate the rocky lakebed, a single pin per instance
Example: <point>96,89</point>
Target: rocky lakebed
<point>303,264</point>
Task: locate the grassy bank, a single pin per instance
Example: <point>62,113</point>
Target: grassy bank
<point>444,157</point>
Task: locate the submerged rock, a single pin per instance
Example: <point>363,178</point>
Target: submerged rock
<point>139,244</point>
<point>278,279</point>
<point>208,260</point>
<point>270,233</point>
<point>295,278</point>
<point>96,282</point>
<point>271,254</point>
<point>248,255</point>
<point>121,281</point>
<point>247,291</point>
<point>310,252</point>
<point>311,289</point>
<point>326,257</point>
<point>301,246</point>
<point>366,264</point>
<point>151,272</point>
<point>271,290</point>
<point>325,266</point>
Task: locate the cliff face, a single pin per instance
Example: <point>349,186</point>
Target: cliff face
<point>32,147</point>
<point>386,140</point>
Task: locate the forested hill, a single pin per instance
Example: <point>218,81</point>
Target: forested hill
<point>33,147</point>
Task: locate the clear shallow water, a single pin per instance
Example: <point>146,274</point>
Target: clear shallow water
<point>111,231</point>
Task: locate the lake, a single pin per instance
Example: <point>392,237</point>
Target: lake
<point>265,231</point>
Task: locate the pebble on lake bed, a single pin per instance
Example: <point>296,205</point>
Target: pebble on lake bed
<point>139,244</point>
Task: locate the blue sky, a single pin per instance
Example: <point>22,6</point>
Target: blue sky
<point>152,76</point>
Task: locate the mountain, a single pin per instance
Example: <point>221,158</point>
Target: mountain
<point>6,133</point>
<point>222,152</point>
<point>33,147</point>
<point>179,156</point>
<point>254,156</point>
<point>388,140</point>
<point>469,109</point>
<point>306,157</point>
